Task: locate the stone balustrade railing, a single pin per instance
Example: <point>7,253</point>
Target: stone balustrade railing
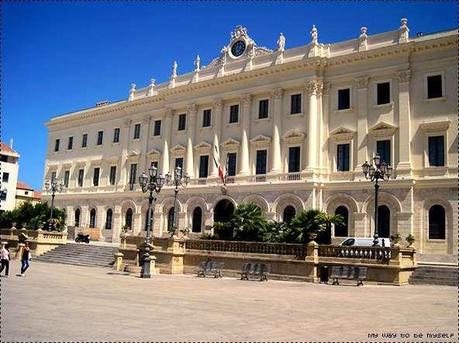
<point>368,253</point>
<point>297,250</point>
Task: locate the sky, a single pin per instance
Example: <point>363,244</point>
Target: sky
<point>59,57</point>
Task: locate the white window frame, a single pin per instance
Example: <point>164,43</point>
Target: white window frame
<point>254,159</point>
<point>426,149</point>
<point>286,156</point>
<point>351,155</point>
<point>392,147</point>
<point>161,129</point>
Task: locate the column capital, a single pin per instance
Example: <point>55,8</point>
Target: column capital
<point>277,93</point>
<point>168,112</point>
<point>314,87</point>
<point>146,119</point>
<point>326,88</point>
<point>218,104</point>
<point>192,109</point>
<point>361,82</point>
<point>246,98</point>
<point>127,122</point>
<point>403,75</point>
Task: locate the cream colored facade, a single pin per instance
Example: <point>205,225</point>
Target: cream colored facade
<point>246,73</point>
<point>9,170</point>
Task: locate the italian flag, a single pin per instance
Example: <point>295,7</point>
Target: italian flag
<point>216,157</point>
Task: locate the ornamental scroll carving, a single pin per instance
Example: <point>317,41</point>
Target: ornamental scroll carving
<point>277,93</point>
<point>245,99</point>
<point>314,87</point>
<point>403,75</point>
<point>218,104</point>
<point>362,82</point>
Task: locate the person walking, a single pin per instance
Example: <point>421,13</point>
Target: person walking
<point>5,259</point>
<point>25,258</point>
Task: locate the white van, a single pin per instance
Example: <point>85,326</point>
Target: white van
<point>364,242</point>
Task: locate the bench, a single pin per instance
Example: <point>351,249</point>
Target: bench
<point>255,270</point>
<point>206,268</point>
<point>348,273</point>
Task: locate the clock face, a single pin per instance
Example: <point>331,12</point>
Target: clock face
<point>238,48</point>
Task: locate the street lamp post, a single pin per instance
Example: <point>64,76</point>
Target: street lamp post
<point>177,180</point>
<point>152,183</point>
<point>54,185</point>
<point>379,170</point>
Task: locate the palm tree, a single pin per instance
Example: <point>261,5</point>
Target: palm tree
<point>248,223</point>
<point>324,237</point>
<point>275,232</point>
<point>304,223</point>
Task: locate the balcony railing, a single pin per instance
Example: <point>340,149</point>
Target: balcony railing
<point>369,253</point>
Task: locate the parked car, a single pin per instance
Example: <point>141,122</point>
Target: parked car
<point>365,242</point>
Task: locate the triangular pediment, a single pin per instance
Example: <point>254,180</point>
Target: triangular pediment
<point>293,136</point>
<point>342,134</point>
<point>382,129</point>
<point>260,140</point>
<point>178,149</point>
<point>435,126</point>
<point>154,152</point>
<point>203,146</point>
<point>230,143</point>
<point>133,154</point>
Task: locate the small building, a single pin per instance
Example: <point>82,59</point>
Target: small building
<point>9,167</point>
<point>25,193</point>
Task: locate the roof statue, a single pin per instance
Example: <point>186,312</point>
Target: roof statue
<point>174,70</point>
<point>363,39</point>
<point>197,63</point>
<point>314,35</point>
<point>404,30</point>
<point>281,43</point>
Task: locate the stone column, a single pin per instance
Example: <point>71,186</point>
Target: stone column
<point>166,141</point>
<point>217,126</point>
<point>117,224</point>
<point>84,216</point>
<point>145,137</point>
<point>189,162</point>
<point>246,101</point>
<point>324,160</point>
<point>124,147</point>
<point>362,123</point>
<point>313,89</point>
<point>276,165</point>
<point>404,123</point>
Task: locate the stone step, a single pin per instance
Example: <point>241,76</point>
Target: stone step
<point>75,263</point>
<point>435,275</point>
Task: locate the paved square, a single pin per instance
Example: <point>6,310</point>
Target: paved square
<point>68,303</point>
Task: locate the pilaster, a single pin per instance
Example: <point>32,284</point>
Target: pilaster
<point>276,96</point>
<point>145,137</point>
<point>216,125</point>
<point>166,140</point>
<point>246,101</point>
<point>362,122</point>
<point>124,148</point>
<point>189,164</point>
<point>404,123</point>
<point>313,91</point>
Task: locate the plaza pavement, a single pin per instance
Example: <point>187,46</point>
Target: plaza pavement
<point>69,303</point>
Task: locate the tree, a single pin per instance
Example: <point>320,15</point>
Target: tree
<point>33,216</point>
<point>303,224</point>
<point>248,223</point>
<point>275,232</point>
<point>324,236</point>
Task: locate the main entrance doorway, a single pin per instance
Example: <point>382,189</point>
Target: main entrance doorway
<point>222,214</point>
<point>383,221</point>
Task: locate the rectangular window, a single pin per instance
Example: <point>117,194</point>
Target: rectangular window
<point>231,163</point>
<point>343,157</point>
<point>383,93</point>
<point>56,144</point>
<point>234,114</point>
<point>5,177</point>
<point>100,137</point>
<point>294,159</point>
<point>437,151</point>
<point>181,122</point>
<point>206,118</point>
<point>116,135</point>
<point>84,140</point>
<point>203,166</point>
<point>383,150</point>
<point>95,177</point>
<point>261,162</point>
<point>434,87</point>
<point>154,164</point>
<point>179,162</point>
<point>112,178</point>
<point>157,130</point>
<point>344,99</point>
<point>263,108</point>
<point>136,131</point>
<point>80,177</point>
<point>295,104</point>
<point>70,143</point>
<point>132,176</point>
<point>66,178</point>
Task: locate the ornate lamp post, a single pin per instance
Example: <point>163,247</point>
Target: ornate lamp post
<point>152,183</point>
<point>54,185</point>
<point>177,180</point>
<point>379,170</point>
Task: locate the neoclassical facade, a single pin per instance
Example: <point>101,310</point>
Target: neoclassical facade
<point>291,126</point>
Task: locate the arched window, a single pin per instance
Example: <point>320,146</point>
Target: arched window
<point>92,218</point>
<point>383,221</point>
<point>197,220</point>
<point>342,230</point>
<point>108,219</point>
<point>170,218</point>
<point>289,214</point>
<point>77,217</point>
<point>437,222</point>
<point>128,219</point>
<point>149,217</point>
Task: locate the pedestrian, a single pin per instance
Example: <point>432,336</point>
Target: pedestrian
<point>5,259</point>
<point>25,258</point>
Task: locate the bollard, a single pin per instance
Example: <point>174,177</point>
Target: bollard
<point>118,261</point>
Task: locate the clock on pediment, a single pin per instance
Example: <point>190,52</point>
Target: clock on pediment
<point>238,48</point>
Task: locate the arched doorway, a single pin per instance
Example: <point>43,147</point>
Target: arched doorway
<point>92,218</point>
<point>197,220</point>
<point>342,230</point>
<point>77,217</point>
<point>128,219</point>
<point>170,219</point>
<point>108,219</point>
<point>289,214</point>
<point>383,221</point>
<point>223,211</point>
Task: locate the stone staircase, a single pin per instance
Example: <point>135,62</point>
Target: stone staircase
<point>81,254</point>
<point>435,274</point>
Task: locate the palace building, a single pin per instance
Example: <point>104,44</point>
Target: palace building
<point>293,127</point>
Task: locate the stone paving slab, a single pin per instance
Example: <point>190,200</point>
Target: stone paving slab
<point>65,303</point>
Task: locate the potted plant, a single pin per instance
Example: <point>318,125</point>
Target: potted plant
<point>396,238</point>
<point>410,240</point>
